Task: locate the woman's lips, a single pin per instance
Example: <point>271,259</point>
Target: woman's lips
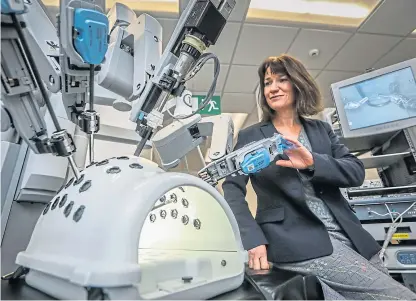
<point>276,97</point>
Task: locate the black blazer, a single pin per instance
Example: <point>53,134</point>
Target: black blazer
<point>283,221</point>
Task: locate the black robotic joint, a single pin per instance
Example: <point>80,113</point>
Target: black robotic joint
<point>42,145</point>
<point>194,131</point>
<point>179,90</point>
<point>151,101</point>
<point>167,82</point>
<point>89,122</point>
<point>191,50</point>
<point>207,20</point>
<point>62,144</point>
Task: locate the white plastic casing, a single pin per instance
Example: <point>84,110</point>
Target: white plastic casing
<point>122,244</point>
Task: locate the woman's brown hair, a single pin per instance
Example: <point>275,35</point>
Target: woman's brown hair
<point>308,100</point>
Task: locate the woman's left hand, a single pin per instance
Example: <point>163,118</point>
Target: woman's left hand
<point>299,156</point>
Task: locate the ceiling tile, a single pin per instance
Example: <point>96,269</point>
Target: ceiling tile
<point>203,79</point>
<point>326,78</point>
<point>242,79</point>
<point>225,45</point>
<point>405,50</point>
<point>314,73</point>
<point>257,42</point>
<point>238,102</point>
<point>392,17</point>
<point>361,52</point>
<point>327,42</point>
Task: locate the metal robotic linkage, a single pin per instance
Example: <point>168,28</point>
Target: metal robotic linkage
<point>83,34</point>
<point>65,256</point>
<point>198,28</point>
<point>249,159</point>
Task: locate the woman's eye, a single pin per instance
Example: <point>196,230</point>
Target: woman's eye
<point>266,84</point>
<point>283,79</point>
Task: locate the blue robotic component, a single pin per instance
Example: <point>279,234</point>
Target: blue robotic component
<point>91,41</point>
<point>12,7</point>
<point>260,158</point>
<point>255,161</point>
<point>283,145</point>
<point>248,159</point>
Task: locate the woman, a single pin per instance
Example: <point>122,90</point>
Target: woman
<point>303,223</point>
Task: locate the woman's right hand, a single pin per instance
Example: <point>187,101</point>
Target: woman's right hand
<point>257,258</point>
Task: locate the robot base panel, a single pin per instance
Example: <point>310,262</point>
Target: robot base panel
<point>133,231</point>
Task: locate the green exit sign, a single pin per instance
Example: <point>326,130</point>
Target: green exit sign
<point>212,108</point>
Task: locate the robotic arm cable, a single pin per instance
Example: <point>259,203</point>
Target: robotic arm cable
<point>197,29</point>
<point>201,62</point>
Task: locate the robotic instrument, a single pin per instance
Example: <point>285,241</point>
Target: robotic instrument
<point>249,159</point>
<point>82,33</point>
<point>95,237</point>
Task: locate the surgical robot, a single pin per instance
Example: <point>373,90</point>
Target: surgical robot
<point>124,228</point>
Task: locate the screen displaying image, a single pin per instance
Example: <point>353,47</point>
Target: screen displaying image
<point>386,98</point>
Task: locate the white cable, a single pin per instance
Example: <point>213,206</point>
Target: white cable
<point>389,211</point>
<point>202,60</point>
<point>379,214</point>
<point>392,228</point>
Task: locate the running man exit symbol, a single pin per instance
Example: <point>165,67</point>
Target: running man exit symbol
<point>212,108</point>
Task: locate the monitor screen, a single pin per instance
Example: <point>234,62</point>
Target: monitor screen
<point>386,98</point>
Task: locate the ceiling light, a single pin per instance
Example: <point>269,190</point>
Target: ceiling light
<point>325,8</point>
<point>148,6</point>
<point>138,5</point>
<point>336,12</point>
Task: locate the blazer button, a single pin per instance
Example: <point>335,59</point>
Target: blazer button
<point>321,192</point>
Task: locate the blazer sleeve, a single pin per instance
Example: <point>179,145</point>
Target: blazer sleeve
<point>342,169</point>
<point>235,190</point>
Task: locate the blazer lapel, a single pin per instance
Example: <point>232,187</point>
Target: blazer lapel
<point>314,135</point>
<point>268,129</point>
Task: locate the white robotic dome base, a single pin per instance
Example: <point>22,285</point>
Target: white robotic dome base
<point>134,231</point>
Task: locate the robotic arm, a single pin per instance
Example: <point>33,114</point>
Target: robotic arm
<point>135,47</point>
<point>198,28</point>
<point>82,31</point>
<point>174,141</point>
<point>249,159</point>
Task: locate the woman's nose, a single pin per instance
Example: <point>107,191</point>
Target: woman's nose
<point>275,86</point>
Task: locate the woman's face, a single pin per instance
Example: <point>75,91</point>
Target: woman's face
<point>278,91</point>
